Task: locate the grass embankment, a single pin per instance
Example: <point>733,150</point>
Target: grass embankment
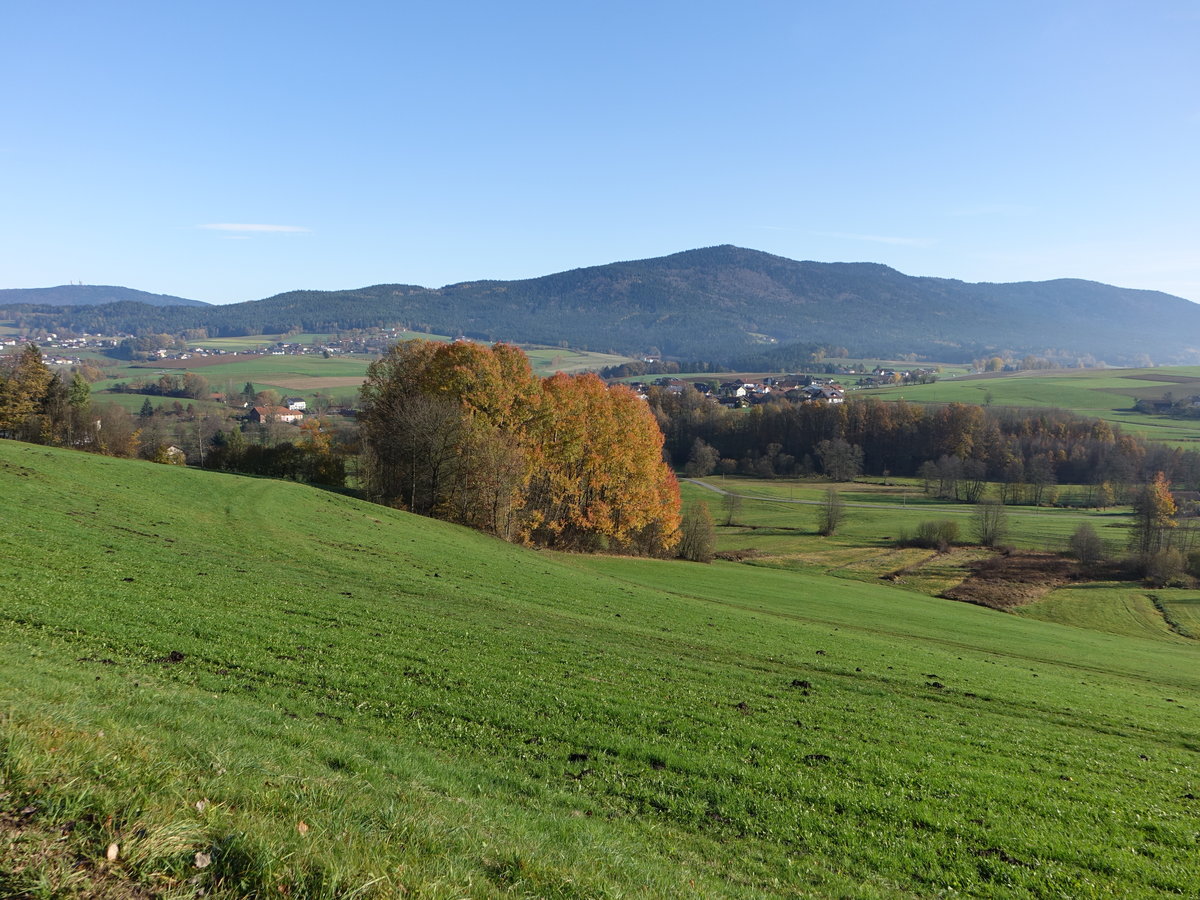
<point>326,698</point>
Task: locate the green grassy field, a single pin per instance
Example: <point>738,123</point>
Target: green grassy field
<point>1123,609</point>
<point>548,360</point>
<point>783,513</point>
<point>251,687</point>
<point>777,521</point>
<point>1107,394</point>
<point>255,341</point>
<point>305,376</point>
<point>133,402</point>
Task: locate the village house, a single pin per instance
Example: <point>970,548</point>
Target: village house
<point>261,414</point>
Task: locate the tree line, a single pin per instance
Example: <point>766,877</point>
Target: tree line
<point>957,448</point>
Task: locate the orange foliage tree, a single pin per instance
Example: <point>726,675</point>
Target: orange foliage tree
<point>468,433</point>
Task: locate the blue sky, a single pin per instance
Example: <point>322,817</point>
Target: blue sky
<point>427,143</point>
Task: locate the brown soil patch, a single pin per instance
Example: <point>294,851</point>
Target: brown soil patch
<point>1006,581</point>
<point>739,555</point>
<point>1168,379</point>
<point>304,383</point>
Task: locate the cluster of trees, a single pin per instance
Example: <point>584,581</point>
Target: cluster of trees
<point>314,458</point>
<point>957,447</point>
<point>189,385</point>
<point>1008,362</point>
<point>803,357</point>
<point>659,367</point>
<point>989,527</point>
<point>146,346</point>
<point>44,407</point>
<point>467,433</point>
<point>1169,405</point>
<point>38,405</point>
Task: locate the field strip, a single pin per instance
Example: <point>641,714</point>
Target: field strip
<point>846,503</point>
<point>313,382</point>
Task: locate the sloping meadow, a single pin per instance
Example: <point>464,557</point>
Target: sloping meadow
<point>248,687</point>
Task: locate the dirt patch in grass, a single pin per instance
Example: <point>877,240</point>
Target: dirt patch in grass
<point>739,555</point>
<point>1008,580</point>
<point>1167,379</point>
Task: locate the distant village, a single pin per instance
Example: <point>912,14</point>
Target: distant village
<point>740,393</point>
<point>64,351</point>
<point>735,393</point>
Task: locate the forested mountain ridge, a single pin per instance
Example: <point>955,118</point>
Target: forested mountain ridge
<point>719,303</point>
<point>89,295</point>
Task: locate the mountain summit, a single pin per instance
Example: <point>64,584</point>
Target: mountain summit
<point>89,295</point>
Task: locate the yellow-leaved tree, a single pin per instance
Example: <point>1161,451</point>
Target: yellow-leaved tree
<point>467,433</point>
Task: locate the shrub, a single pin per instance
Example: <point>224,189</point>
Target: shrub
<point>1166,568</point>
<point>1087,547</point>
<point>935,535</point>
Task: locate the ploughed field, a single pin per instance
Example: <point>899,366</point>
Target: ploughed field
<point>249,687</point>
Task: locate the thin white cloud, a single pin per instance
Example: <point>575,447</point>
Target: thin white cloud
<point>878,239</point>
<point>288,229</point>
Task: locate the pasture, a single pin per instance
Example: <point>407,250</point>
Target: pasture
<point>784,511</point>
<point>549,360</point>
<point>241,686</point>
<point>776,521</point>
<point>308,375</point>
<point>1108,394</point>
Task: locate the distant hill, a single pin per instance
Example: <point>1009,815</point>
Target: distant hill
<point>721,303</point>
<point>89,295</point>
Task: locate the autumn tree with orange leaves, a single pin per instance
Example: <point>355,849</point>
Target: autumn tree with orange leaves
<point>1153,518</point>
<point>467,433</point>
